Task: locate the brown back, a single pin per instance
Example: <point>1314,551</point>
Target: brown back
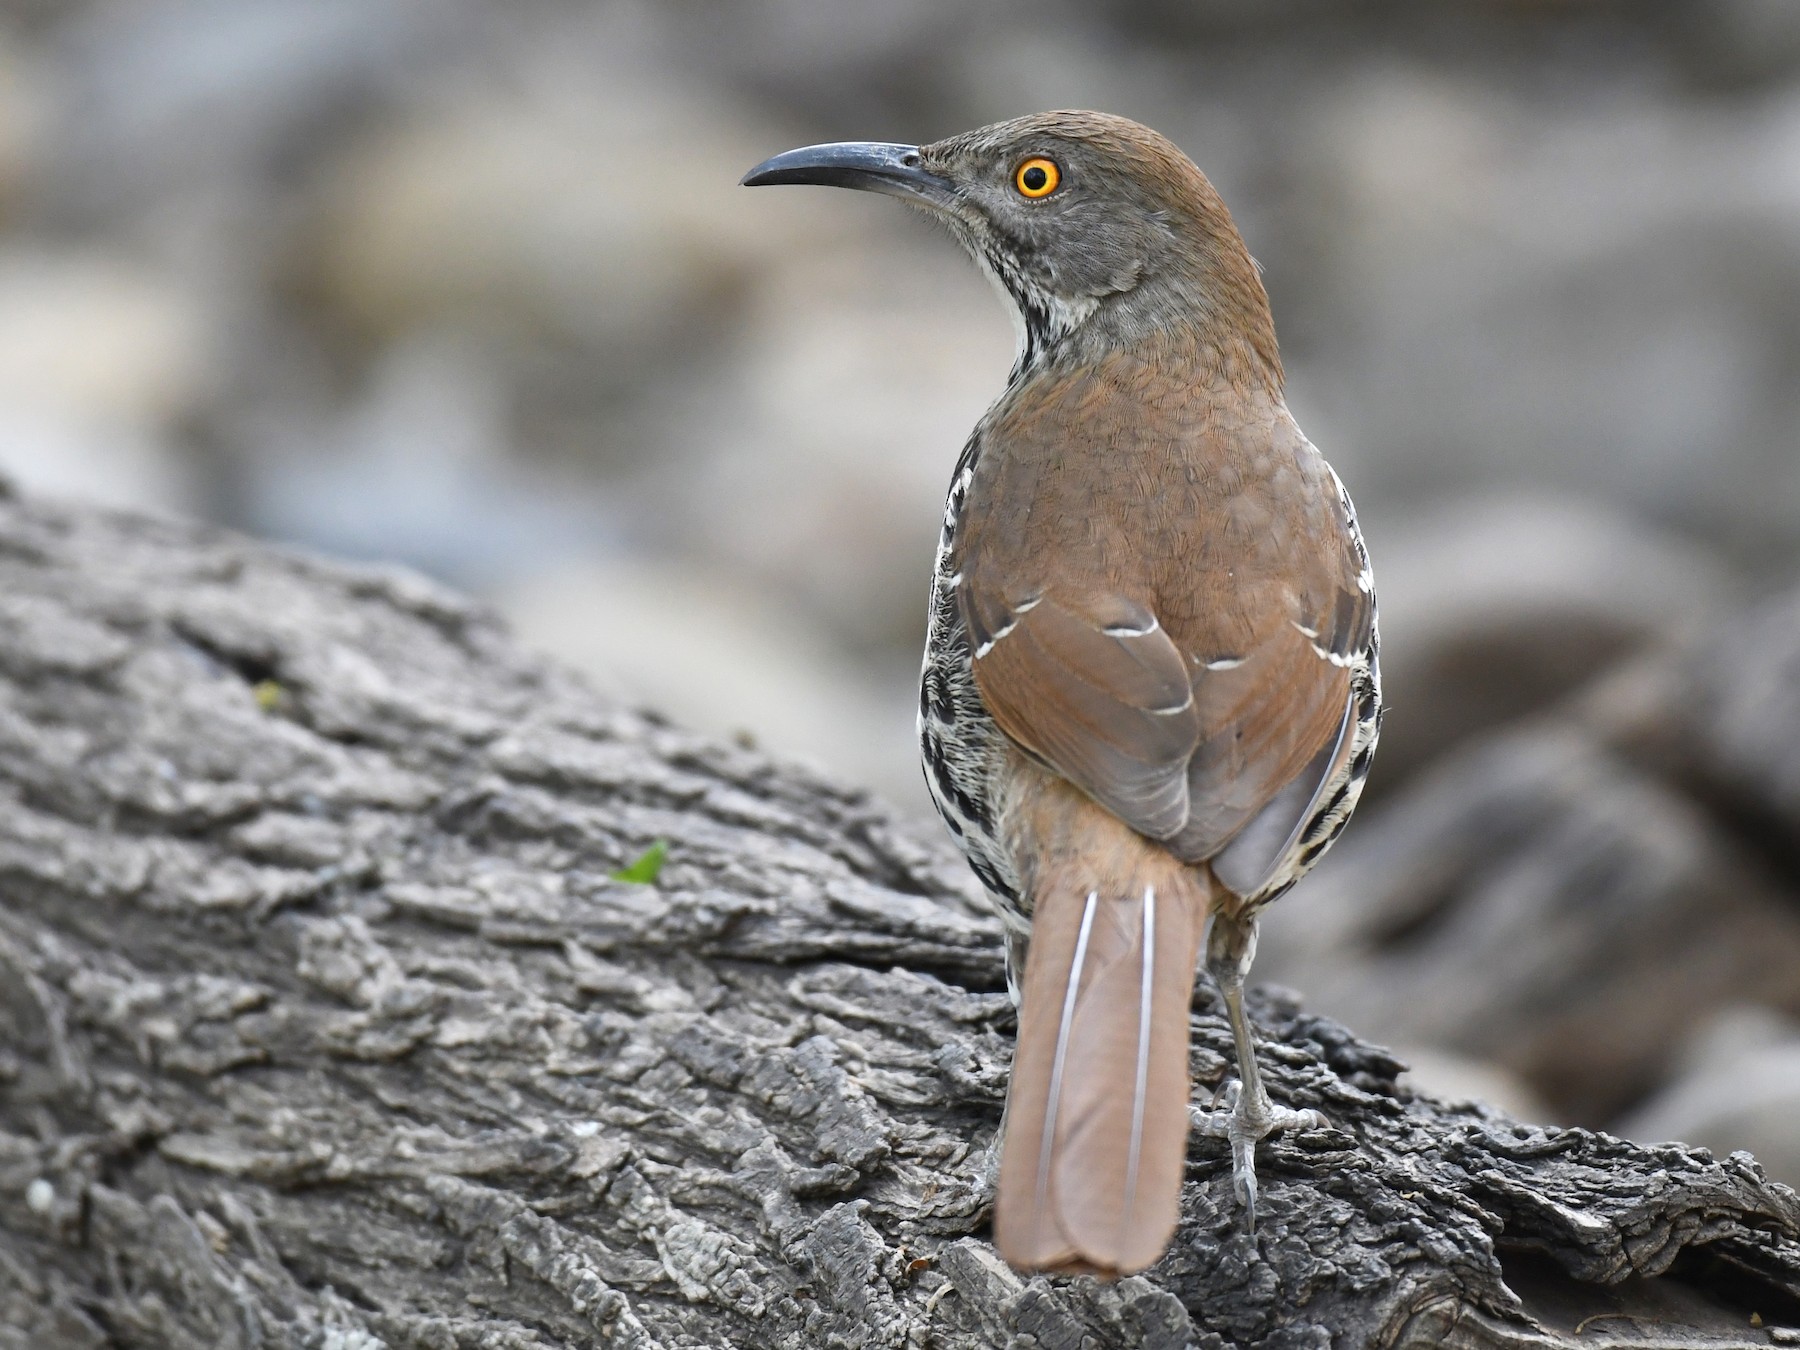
<point>1157,576</point>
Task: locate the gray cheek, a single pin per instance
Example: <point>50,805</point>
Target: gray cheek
<point>1098,259</point>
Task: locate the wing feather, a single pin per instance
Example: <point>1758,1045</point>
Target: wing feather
<point>1102,698</point>
<point>1185,656</point>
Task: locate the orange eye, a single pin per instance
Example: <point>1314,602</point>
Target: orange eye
<point>1037,177</point>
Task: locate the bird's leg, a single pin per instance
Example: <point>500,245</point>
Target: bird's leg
<point>1018,940</point>
<point>1242,1112</point>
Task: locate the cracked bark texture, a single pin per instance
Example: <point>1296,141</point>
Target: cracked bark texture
<point>323,1024</point>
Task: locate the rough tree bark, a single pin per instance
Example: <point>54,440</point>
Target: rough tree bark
<point>323,1024</point>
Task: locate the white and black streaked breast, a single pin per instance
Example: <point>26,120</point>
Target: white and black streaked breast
<point>959,742</point>
<point>1042,319</point>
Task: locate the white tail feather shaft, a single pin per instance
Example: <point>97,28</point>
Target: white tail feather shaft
<point>1062,1050</point>
<point>1142,1080</point>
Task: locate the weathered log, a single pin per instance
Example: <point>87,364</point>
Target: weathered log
<point>324,1023</point>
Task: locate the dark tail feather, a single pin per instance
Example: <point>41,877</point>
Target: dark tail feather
<point>1097,1114</point>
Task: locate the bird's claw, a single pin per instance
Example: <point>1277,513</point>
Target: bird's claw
<point>984,1185</point>
<point>1244,1123</point>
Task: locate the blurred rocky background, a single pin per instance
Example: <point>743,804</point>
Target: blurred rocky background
<point>472,287</point>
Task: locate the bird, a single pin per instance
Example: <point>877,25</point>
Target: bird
<point>1151,686</point>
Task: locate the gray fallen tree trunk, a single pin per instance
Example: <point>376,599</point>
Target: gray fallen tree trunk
<point>324,1023</point>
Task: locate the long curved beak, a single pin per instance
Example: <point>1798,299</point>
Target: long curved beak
<point>871,166</point>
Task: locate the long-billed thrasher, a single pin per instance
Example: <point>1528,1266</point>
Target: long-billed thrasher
<point>1150,693</point>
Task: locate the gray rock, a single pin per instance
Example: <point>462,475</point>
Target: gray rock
<point>727,660</point>
<point>1457,1078</point>
<point>819,463</point>
<point>1739,1089</point>
<point>1736,728</point>
<point>1492,608</point>
<point>423,469</point>
<point>175,97</point>
<point>1739,42</point>
<point>100,359</point>
<point>594,207</point>
<point>24,109</point>
<point>1592,299</point>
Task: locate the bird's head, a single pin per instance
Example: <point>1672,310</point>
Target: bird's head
<point>1100,231</point>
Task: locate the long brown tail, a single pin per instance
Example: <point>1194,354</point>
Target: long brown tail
<point>1097,1113</point>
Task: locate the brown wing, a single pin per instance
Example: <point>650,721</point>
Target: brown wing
<point>1097,691</point>
<point>1264,722</point>
<point>1113,712</point>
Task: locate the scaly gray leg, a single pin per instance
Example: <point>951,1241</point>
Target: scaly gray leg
<point>1017,941</point>
<point>1242,1113</point>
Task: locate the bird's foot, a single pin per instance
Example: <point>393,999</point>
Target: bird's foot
<point>1244,1122</point>
<point>987,1182</point>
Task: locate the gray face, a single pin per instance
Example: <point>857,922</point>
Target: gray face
<point>1097,229</point>
<point>1096,233</point>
